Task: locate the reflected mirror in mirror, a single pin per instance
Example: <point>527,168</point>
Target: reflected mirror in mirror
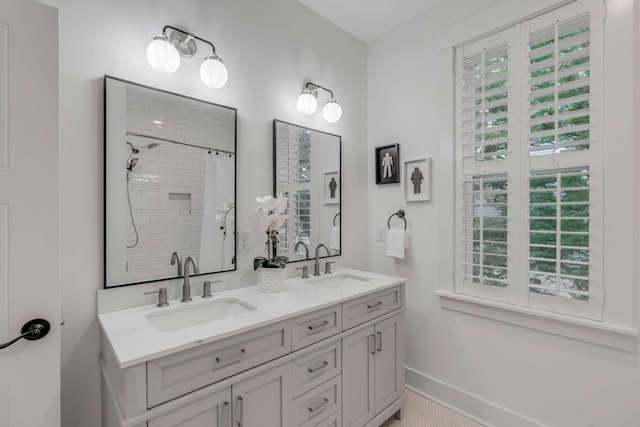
<point>307,171</point>
<point>169,184</point>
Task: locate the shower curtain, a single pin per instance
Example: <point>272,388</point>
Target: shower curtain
<point>216,250</point>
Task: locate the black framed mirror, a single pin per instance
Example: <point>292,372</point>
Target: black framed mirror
<point>170,184</point>
<point>307,169</point>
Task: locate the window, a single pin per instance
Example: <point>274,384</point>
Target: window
<point>529,155</point>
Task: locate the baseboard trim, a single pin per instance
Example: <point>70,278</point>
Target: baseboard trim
<point>478,409</point>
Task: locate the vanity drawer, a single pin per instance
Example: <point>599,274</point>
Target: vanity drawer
<point>317,405</point>
<point>369,307</point>
<point>313,327</point>
<point>175,375</point>
<point>314,368</point>
<point>334,420</point>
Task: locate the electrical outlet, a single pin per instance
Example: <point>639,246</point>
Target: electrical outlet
<point>380,233</point>
<point>243,241</point>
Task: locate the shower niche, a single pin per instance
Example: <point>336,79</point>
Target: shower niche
<point>170,183</point>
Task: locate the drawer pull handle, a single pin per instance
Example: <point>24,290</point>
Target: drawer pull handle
<point>324,402</point>
<point>371,306</point>
<point>317,368</point>
<point>242,351</point>
<point>372,343</point>
<point>379,343</point>
<point>321,325</point>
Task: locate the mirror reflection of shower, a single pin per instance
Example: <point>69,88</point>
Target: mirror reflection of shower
<point>131,164</point>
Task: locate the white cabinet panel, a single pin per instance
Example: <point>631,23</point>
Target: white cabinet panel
<point>389,361</point>
<point>358,353</point>
<point>213,410</point>
<point>373,370</point>
<point>263,400</point>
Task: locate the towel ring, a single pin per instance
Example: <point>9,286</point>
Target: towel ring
<point>334,218</point>
<point>400,214</point>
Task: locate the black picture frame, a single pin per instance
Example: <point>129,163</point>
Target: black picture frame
<point>382,166</point>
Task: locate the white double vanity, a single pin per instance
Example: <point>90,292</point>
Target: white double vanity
<point>327,352</point>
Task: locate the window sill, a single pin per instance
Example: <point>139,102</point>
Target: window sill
<point>616,337</point>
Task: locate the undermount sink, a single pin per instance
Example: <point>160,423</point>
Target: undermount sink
<point>338,280</point>
<point>192,315</point>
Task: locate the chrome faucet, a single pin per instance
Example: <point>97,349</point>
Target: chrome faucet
<point>306,248</point>
<point>186,287</point>
<point>316,265</point>
<point>175,257</point>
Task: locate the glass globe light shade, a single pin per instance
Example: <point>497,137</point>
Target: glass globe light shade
<point>306,103</point>
<point>162,55</point>
<point>213,72</point>
<point>332,111</point>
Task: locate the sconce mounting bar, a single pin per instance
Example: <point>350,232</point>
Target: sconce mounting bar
<point>318,87</point>
<point>186,40</point>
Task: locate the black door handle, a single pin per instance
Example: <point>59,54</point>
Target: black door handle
<point>32,330</point>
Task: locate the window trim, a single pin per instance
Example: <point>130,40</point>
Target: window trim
<point>613,336</point>
<point>618,330</point>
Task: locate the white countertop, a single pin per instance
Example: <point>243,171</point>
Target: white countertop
<point>134,340</point>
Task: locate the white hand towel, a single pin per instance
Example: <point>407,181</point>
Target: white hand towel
<point>396,243</point>
<point>335,238</point>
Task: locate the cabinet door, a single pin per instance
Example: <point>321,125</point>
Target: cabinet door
<point>263,400</point>
<point>389,363</point>
<point>358,353</point>
<point>213,410</point>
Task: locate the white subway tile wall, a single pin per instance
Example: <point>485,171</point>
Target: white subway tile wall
<point>167,183</point>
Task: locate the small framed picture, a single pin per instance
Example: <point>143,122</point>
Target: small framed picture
<point>387,158</point>
<point>331,188</point>
<point>417,180</point>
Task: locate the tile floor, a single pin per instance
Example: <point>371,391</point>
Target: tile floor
<point>422,412</point>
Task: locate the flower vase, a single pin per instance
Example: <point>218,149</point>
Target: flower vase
<point>272,279</point>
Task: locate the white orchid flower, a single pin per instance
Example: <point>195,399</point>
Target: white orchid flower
<point>280,205</point>
<point>273,222</point>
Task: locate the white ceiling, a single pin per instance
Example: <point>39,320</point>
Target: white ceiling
<point>369,19</point>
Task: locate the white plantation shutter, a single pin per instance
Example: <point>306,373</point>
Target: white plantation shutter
<point>484,98</point>
<point>294,158</point>
<point>302,201</point>
<point>485,231</point>
<point>565,159</point>
<point>559,234</point>
<point>559,85</point>
<point>530,164</point>
<point>487,113</point>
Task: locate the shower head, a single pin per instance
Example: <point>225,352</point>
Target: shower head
<point>131,163</point>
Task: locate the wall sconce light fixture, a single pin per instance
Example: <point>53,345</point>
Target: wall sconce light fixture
<point>165,50</point>
<point>307,103</point>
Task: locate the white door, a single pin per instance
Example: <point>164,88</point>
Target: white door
<point>29,282</point>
